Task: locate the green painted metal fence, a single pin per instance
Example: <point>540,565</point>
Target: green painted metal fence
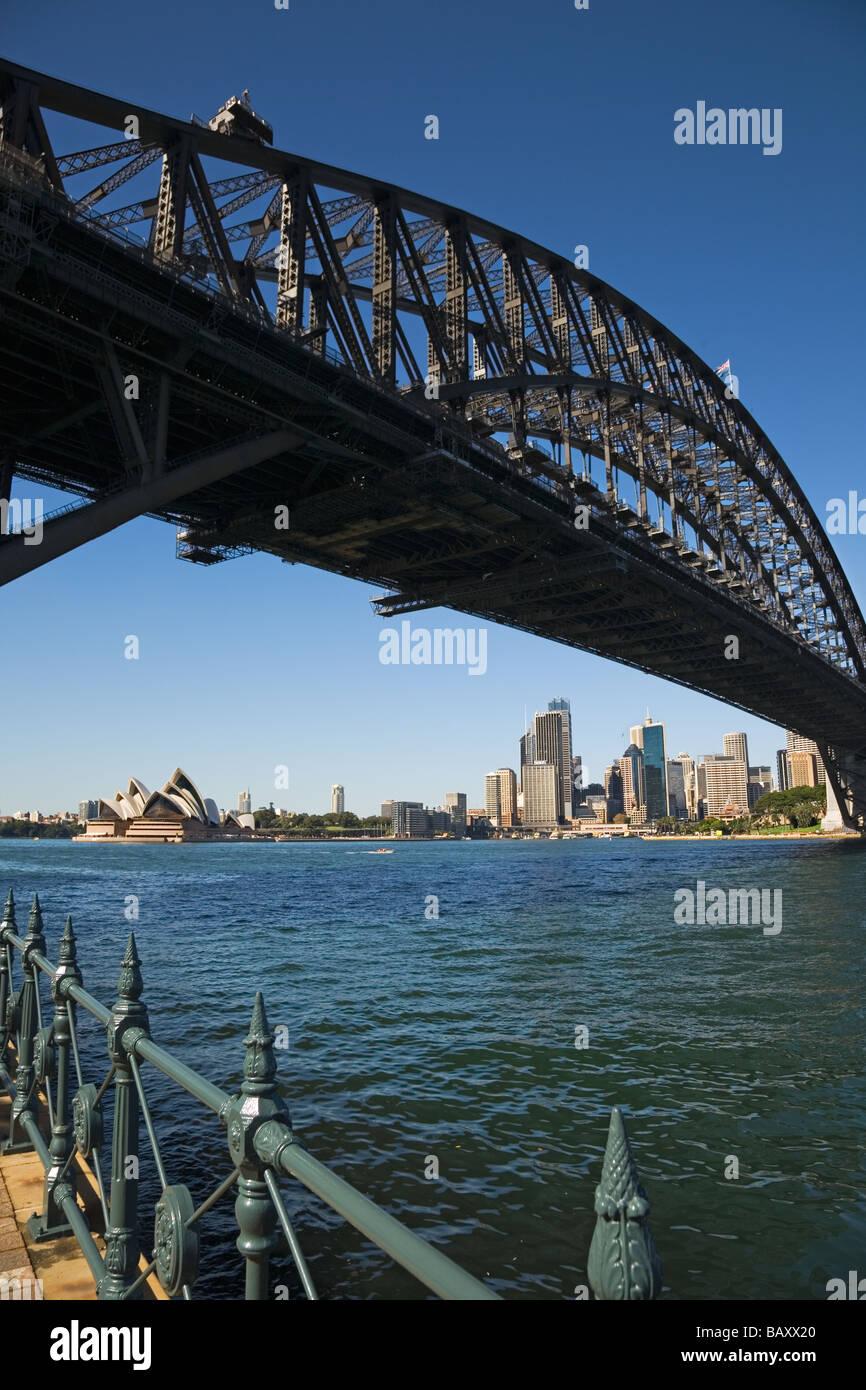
<point>623,1263</point>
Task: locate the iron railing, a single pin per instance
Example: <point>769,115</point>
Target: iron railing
<point>623,1263</point>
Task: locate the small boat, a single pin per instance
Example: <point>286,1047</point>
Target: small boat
<point>383,851</point>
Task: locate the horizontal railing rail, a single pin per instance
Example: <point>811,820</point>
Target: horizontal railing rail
<point>623,1263</point>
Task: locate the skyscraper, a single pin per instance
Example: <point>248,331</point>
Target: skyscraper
<point>690,785</point>
<point>651,741</point>
<point>545,742</point>
<point>798,744</point>
<point>562,707</point>
<point>727,790</point>
<point>613,791</point>
<point>736,746</point>
<point>633,788</point>
<point>338,799</point>
<point>542,794</point>
<point>804,769</point>
<point>245,804</point>
<point>783,770</point>
<point>676,789</point>
<point>507,796</point>
<point>578,791</point>
<point>760,783</point>
<point>455,805</point>
<point>492,803</point>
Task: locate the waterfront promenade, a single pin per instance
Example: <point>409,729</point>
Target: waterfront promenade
<point>53,1270</point>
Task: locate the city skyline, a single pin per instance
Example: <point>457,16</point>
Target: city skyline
<point>371,805</point>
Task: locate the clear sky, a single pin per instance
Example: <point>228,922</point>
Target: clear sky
<point>558,123</point>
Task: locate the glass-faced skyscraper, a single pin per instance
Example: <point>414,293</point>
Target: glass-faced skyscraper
<point>650,738</point>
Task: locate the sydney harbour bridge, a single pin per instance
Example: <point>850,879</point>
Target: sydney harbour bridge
<point>275,355</point>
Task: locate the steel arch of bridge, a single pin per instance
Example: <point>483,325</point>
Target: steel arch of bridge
<point>517,338</point>
<point>477,329</point>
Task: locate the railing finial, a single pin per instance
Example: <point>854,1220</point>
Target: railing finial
<point>68,950</point>
<point>9,909</point>
<point>260,1065</point>
<point>35,927</point>
<point>130,985</point>
<point>623,1260</point>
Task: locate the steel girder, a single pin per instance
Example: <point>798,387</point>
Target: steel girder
<point>556,353</point>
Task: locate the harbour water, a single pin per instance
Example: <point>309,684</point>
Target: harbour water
<point>415,1036</point>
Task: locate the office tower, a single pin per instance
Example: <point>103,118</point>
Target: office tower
<point>386,809</point>
<point>652,744</point>
<point>676,789</point>
<point>527,750</point>
<point>578,791</point>
<point>613,791</point>
<point>701,791</point>
<point>760,783</point>
<point>338,799</point>
<point>633,787</point>
<point>726,783</point>
<point>507,796</point>
<point>562,707</point>
<point>492,804</point>
<point>400,817</point>
<point>549,749</point>
<point>690,784</point>
<point>245,804</point>
<point>783,769</point>
<point>542,794</point>
<point>545,741</point>
<point>798,744</point>
<point>455,805</point>
<point>804,769</point>
<point>88,810</point>
<point>736,746</point>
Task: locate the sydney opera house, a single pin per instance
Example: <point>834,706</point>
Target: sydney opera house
<point>178,812</point>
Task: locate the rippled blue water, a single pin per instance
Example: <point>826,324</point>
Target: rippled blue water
<point>413,1036</point>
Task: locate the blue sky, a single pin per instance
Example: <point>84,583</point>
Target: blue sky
<point>558,123</point>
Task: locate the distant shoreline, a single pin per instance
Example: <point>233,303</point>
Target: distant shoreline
<point>824,837</point>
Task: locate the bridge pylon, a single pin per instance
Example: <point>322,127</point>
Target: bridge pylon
<point>846,789</point>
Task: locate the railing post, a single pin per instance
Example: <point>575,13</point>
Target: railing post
<point>128,1023</point>
<point>28,1024</point>
<point>623,1260</point>
<point>52,1224</point>
<point>258,1102</point>
<point>8,924</point>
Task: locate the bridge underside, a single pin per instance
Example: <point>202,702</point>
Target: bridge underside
<point>126,385</point>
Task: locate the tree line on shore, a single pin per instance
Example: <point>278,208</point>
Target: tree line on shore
<point>33,830</point>
<point>303,824</point>
<point>798,807</point>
